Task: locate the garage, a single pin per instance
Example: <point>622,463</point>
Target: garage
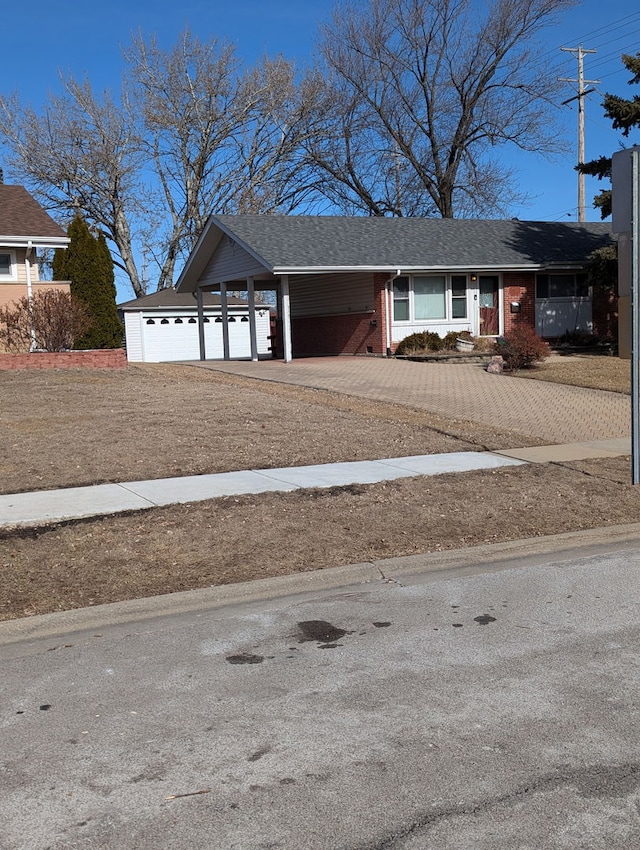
<point>163,327</point>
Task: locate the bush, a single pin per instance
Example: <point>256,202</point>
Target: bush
<point>450,339</point>
<point>521,348</point>
<point>416,343</point>
<point>52,322</point>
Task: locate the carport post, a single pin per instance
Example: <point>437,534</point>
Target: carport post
<point>286,318</point>
<point>225,321</point>
<point>200,304</point>
<point>253,336</point>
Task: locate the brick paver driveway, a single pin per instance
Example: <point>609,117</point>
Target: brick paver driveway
<point>554,413</point>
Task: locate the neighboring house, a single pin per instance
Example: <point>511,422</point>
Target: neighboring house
<point>25,228</point>
<point>360,285</point>
<point>164,326</point>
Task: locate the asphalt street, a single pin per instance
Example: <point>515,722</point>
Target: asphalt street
<point>495,706</point>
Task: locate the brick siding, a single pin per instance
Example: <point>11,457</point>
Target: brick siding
<point>330,335</point>
<point>350,333</point>
<point>521,287</point>
<point>113,358</point>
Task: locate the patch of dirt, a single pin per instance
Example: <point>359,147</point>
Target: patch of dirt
<point>70,427</point>
<point>599,372</point>
<point>237,539</point>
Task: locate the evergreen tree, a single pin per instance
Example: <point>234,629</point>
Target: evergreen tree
<point>88,265</point>
<point>625,115</point>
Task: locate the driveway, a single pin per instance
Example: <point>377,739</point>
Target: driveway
<point>555,413</point>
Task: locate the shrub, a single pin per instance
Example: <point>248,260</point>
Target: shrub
<point>449,340</point>
<point>52,322</point>
<point>521,348</point>
<point>414,343</point>
<point>88,265</point>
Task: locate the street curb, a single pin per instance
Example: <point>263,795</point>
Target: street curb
<point>431,566</point>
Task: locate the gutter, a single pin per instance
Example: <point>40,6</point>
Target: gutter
<point>387,312</point>
<point>27,265</point>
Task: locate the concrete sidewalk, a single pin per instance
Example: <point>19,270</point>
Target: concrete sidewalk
<point>50,506</point>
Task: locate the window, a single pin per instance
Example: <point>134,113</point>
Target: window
<point>7,265</point>
<point>429,298</point>
<point>459,296</point>
<point>401,299</point>
<point>564,285</point>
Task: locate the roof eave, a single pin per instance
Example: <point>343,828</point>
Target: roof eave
<point>407,268</point>
<point>34,241</point>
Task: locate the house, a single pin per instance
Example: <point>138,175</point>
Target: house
<point>25,229</point>
<point>163,327</point>
<point>359,285</point>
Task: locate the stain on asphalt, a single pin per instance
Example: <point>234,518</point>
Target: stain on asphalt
<point>484,619</point>
<point>259,753</point>
<point>457,625</point>
<point>382,625</point>
<point>245,658</point>
<point>45,707</point>
<point>321,631</point>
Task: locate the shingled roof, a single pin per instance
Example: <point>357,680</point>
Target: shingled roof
<point>22,218</point>
<point>331,241</point>
<point>169,299</point>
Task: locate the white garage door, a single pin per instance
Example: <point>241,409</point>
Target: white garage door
<point>153,338</point>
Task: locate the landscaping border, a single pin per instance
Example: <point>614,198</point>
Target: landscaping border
<point>108,358</point>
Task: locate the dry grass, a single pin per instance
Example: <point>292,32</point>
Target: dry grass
<point>71,428</point>
<point>598,372</point>
<point>64,428</point>
<point>238,539</point>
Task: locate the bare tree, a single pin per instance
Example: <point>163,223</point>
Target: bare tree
<point>419,95</point>
<point>190,134</point>
<point>273,174</point>
<point>80,154</point>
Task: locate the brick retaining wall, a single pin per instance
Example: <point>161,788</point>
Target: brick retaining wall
<point>111,358</point>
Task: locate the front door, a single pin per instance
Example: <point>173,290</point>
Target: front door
<point>489,305</point>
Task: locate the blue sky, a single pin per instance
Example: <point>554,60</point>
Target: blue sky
<point>88,38</point>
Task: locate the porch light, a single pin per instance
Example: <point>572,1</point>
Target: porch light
<point>515,306</point>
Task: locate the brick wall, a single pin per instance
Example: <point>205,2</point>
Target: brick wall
<point>113,358</point>
<point>329,335</point>
<point>605,313</point>
<point>521,287</point>
<point>349,333</point>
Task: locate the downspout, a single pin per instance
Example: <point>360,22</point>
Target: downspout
<point>27,265</point>
<point>387,311</point>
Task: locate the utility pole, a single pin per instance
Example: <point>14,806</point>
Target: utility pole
<point>580,52</point>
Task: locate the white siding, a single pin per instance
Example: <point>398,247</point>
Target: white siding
<point>133,335</point>
<point>400,331</point>
<point>230,262</point>
<point>555,316</point>
<point>323,295</point>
